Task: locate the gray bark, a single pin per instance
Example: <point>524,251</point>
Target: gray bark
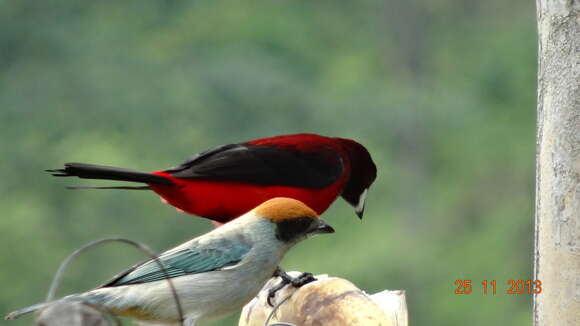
<point>557,230</point>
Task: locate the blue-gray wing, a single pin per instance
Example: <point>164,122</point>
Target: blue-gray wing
<point>192,260</point>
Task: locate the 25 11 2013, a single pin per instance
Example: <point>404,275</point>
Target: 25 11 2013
<point>490,287</point>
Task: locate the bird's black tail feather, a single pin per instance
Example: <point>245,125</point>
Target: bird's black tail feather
<point>90,171</point>
<point>108,187</point>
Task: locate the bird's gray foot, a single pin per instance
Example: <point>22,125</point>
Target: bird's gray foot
<point>296,282</point>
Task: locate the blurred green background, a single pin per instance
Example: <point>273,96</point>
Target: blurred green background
<point>441,92</point>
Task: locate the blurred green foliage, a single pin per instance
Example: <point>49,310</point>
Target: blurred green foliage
<point>441,92</point>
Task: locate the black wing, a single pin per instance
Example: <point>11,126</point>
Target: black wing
<point>263,165</point>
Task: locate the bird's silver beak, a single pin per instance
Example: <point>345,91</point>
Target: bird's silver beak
<point>360,213</point>
<point>360,206</point>
<point>321,227</point>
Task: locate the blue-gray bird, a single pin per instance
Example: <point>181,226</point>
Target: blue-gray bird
<point>214,274</point>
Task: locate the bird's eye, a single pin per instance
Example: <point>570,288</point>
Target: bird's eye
<point>291,228</point>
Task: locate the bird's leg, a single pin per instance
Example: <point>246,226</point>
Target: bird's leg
<point>216,224</point>
<point>296,282</point>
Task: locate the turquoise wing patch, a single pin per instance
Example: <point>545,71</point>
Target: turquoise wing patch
<point>191,260</point>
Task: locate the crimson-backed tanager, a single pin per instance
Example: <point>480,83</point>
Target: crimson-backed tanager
<point>227,181</point>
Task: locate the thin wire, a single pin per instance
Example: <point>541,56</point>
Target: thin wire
<point>60,272</point>
<point>274,310</point>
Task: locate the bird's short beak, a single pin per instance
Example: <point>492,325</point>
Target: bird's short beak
<point>322,227</point>
<point>360,207</point>
<point>360,213</point>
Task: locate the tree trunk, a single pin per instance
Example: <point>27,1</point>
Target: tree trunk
<point>557,230</point>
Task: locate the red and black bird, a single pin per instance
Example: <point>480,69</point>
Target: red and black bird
<point>227,181</point>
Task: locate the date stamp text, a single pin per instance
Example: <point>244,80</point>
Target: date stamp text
<point>491,287</point>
